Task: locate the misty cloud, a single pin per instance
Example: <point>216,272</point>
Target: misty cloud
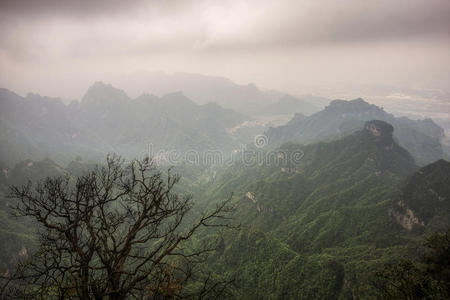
<point>306,23</point>
<point>197,36</point>
<point>80,8</point>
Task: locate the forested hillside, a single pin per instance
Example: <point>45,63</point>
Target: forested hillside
<point>323,228</point>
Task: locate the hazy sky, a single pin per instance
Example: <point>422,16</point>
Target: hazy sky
<point>59,48</point>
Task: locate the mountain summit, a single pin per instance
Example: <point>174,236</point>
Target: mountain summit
<point>100,93</point>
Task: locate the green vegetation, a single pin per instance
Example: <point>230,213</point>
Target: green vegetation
<point>322,229</point>
<point>117,232</point>
<point>429,278</point>
<point>347,221</point>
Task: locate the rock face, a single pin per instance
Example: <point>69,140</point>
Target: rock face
<point>406,219</point>
<point>379,128</point>
<point>382,132</point>
<point>259,206</point>
<point>23,252</point>
<point>251,197</point>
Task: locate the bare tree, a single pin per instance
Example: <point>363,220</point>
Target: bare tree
<point>118,232</point>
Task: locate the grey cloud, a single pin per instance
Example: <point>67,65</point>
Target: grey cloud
<point>392,19</point>
<point>304,38</point>
<point>44,8</point>
<point>305,23</point>
<point>175,25</point>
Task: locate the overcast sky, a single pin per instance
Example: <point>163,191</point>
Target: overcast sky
<point>59,48</point>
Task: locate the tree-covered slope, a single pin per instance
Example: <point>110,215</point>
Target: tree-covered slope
<point>424,199</point>
<point>315,227</point>
<point>17,234</point>
<point>319,229</point>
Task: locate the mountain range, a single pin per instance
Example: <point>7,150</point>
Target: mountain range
<point>422,138</point>
<point>247,99</point>
<point>107,120</point>
<point>328,199</point>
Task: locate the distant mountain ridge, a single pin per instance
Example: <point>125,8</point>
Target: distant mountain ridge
<point>107,120</point>
<point>421,138</point>
<point>247,99</point>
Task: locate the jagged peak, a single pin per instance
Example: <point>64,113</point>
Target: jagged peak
<point>6,94</point>
<point>178,94</point>
<point>348,102</point>
<point>357,104</point>
<point>100,92</point>
<point>147,95</point>
<point>35,97</point>
<point>440,164</point>
<point>359,100</point>
<point>101,84</point>
<point>178,98</point>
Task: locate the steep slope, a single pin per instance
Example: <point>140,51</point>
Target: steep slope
<point>370,155</point>
<point>424,200</point>
<point>315,227</point>
<point>327,219</point>
<point>421,138</point>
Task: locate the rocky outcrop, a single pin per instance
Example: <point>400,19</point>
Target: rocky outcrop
<point>407,219</point>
